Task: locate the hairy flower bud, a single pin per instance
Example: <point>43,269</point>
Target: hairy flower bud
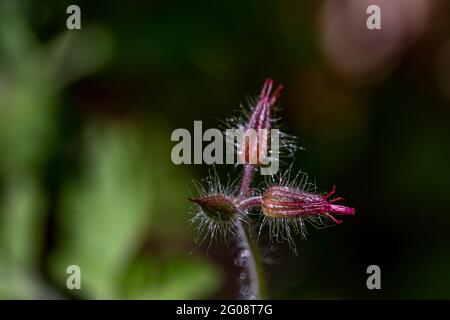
<point>286,202</point>
<point>286,208</point>
<point>217,213</point>
<point>255,144</point>
<point>219,207</point>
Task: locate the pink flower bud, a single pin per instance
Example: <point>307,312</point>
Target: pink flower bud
<point>287,202</point>
<point>254,146</point>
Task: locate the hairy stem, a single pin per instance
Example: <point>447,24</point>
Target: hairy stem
<point>254,267</point>
<point>250,202</point>
<point>249,169</point>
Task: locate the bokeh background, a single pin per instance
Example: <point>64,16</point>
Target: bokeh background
<point>86,118</point>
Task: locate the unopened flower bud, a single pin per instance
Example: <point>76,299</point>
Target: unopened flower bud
<point>255,142</point>
<point>219,207</point>
<point>287,202</point>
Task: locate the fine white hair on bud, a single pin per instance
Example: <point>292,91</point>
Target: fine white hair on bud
<point>216,210</point>
<point>288,203</point>
<point>255,122</point>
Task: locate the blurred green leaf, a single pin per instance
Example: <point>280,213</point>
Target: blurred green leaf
<point>174,278</point>
<point>106,214</point>
<point>21,220</point>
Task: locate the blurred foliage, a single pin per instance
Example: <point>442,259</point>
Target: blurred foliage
<point>107,212</point>
<point>104,215</point>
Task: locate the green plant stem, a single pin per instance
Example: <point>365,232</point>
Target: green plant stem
<point>254,266</point>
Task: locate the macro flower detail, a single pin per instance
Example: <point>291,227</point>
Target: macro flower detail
<point>287,207</point>
<point>284,206</point>
<point>286,202</point>
<point>216,211</point>
<point>218,207</point>
<point>215,218</point>
<point>255,145</point>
